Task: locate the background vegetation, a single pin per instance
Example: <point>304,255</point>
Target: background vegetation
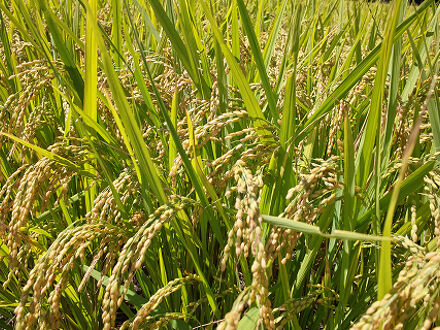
<point>202,164</point>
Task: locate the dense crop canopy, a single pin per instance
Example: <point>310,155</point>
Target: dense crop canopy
<point>224,164</point>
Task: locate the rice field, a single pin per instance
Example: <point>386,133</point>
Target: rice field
<point>219,164</point>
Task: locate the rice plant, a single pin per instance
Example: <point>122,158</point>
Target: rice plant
<point>220,164</point>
